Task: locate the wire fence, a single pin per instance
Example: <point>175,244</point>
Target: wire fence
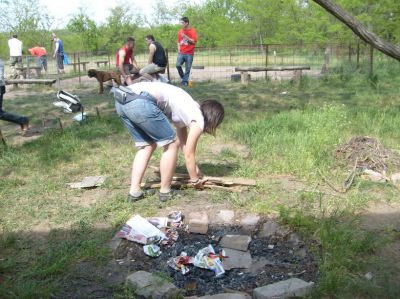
<point>217,64</point>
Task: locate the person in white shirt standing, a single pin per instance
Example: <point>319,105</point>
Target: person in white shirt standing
<point>15,46</point>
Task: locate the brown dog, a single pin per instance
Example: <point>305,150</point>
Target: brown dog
<point>103,76</point>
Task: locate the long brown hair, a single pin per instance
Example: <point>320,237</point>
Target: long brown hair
<point>213,113</point>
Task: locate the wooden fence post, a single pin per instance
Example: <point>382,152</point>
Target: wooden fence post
<point>79,68</point>
<point>2,139</point>
<point>358,54</point>
<point>350,49</point>
<point>266,60</point>
<point>371,60</point>
<point>168,74</point>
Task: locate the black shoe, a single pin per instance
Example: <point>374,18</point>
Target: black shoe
<point>145,193</point>
<point>168,195</point>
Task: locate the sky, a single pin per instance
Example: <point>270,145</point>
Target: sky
<point>96,9</point>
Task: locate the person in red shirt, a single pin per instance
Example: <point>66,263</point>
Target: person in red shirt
<point>41,54</point>
<point>125,60</point>
<point>187,38</point>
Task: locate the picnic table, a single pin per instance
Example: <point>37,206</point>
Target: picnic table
<point>100,62</point>
<point>245,77</point>
<point>15,82</point>
<point>76,64</point>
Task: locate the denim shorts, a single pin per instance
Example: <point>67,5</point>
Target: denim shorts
<point>146,123</point>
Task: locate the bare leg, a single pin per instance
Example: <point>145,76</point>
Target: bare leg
<point>148,76</point>
<point>167,165</point>
<point>139,166</point>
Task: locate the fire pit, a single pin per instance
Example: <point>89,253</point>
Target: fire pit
<point>273,257</point>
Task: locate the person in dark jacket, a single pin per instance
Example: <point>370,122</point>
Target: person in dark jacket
<point>10,117</point>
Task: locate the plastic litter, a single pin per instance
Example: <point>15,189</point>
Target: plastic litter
<point>139,230</point>
<point>79,117</point>
<point>206,258</point>
<point>152,250</point>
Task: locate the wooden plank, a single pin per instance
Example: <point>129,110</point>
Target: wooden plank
<point>180,184</point>
<point>224,181</point>
<point>275,68</point>
<point>30,81</point>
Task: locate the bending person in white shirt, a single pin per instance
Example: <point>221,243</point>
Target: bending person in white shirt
<point>146,119</point>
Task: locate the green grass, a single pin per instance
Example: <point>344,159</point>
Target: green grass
<point>47,230</point>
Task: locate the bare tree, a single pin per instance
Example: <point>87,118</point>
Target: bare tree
<point>359,29</point>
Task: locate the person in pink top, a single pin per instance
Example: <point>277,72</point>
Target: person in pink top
<point>41,54</point>
<point>187,39</point>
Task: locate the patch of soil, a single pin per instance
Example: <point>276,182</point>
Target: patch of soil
<point>381,216</point>
<point>282,262</point>
<point>91,196</point>
<point>364,152</point>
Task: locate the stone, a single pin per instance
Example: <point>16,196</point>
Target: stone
<point>373,176</point>
<point>226,296</point>
<point>198,223</point>
<point>236,259</point>
<point>225,217</point>
<point>395,178</point>
<point>369,275</point>
<point>238,242</point>
<point>89,182</point>
<point>293,287</point>
<point>258,264</point>
<point>271,228</point>
<point>249,223</point>
<point>148,285</point>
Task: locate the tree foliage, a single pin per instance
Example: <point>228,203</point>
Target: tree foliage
<point>86,31</point>
<point>218,23</point>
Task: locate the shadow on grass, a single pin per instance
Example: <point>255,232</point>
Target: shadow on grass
<point>213,169</point>
<point>59,263</point>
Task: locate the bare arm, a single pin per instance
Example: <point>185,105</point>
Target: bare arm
<point>152,50</point>
<point>134,63</point>
<point>121,55</point>
<point>56,45</point>
<point>189,148</point>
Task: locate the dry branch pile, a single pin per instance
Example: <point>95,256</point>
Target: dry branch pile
<point>363,152</point>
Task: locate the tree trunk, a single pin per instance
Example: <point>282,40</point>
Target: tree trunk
<point>359,29</point>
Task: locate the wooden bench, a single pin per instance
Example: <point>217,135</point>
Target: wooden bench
<point>100,62</point>
<point>25,70</point>
<point>76,64</point>
<point>15,82</point>
<point>245,77</point>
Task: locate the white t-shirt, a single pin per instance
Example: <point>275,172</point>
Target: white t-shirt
<point>15,46</point>
<point>183,108</point>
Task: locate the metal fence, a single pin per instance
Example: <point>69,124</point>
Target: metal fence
<point>218,64</point>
